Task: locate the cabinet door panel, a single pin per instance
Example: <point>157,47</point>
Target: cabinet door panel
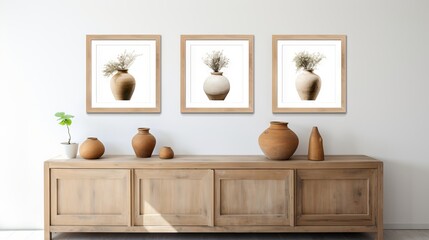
<point>173,197</point>
<point>336,197</point>
<point>253,197</point>
<point>90,197</point>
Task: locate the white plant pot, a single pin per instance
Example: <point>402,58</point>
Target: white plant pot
<point>308,85</point>
<point>216,86</point>
<point>70,150</point>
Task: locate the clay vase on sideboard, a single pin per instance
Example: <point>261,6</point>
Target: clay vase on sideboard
<point>91,148</point>
<point>122,85</point>
<point>315,146</point>
<point>166,153</point>
<point>278,142</point>
<point>216,86</point>
<point>308,85</point>
<point>143,143</point>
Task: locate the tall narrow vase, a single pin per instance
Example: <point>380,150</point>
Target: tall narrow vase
<point>315,146</point>
<point>143,143</point>
<point>278,142</point>
<point>122,85</point>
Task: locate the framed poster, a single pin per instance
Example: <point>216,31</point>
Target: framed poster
<point>123,73</point>
<point>309,73</point>
<point>216,73</point>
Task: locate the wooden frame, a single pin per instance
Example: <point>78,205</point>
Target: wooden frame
<point>331,94</point>
<point>145,95</point>
<point>239,97</point>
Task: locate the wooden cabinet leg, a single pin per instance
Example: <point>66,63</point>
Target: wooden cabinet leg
<point>379,234</point>
<point>48,235</point>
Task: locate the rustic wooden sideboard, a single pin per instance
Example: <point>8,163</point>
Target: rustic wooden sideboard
<point>214,194</point>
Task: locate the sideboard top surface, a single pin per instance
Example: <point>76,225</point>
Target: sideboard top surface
<point>215,162</point>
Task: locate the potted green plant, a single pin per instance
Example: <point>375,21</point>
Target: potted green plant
<point>216,86</point>
<point>122,83</point>
<point>70,149</point>
<point>308,83</point>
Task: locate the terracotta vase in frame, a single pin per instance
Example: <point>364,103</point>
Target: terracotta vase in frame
<point>123,73</point>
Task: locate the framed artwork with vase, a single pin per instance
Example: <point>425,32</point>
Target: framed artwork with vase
<point>123,73</point>
<point>309,73</point>
<point>216,73</point>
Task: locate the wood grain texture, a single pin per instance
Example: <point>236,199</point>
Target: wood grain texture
<point>209,229</point>
<point>257,197</point>
<point>336,197</point>
<point>173,197</point>
<point>217,162</point>
<point>47,201</point>
<point>380,199</point>
<point>90,197</point>
<point>344,193</point>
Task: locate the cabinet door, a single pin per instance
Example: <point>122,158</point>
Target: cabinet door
<point>335,197</point>
<point>173,197</point>
<point>90,197</point>
<point>253,197</point>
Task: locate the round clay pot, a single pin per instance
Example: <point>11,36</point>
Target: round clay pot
<point>70,150</point>
<point>278,142</point>
<point>166,153</point>
<point>216,86</point>
<point>308,85</point>
<point>122,85</point>
<point>91,148</point>
<point>143,143</point>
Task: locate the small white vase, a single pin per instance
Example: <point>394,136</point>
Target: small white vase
<point>70,150</point>
<point>308,85</point>
<point>216,86</point>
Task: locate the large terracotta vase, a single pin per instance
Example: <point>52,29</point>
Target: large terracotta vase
<point>122,85</point>
<point>216,86</point>
<point>278,142</point>
<point>315,146</point>
<point>308,85</point>
<point>91,148</point>
<point>143,143</point>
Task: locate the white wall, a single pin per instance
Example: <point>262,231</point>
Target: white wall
<point>42,71</point>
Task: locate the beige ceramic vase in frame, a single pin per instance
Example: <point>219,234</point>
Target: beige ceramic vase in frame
<point>308,85</point>
<point>122,85</point>
<point>216,86</point>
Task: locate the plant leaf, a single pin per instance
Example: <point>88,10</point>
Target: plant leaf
<point>59,114</point>
<point>67,121</point>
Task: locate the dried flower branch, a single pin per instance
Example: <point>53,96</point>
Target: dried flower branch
<point>307,61</point>
<point>123,62</point>
<point>216,60</point>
